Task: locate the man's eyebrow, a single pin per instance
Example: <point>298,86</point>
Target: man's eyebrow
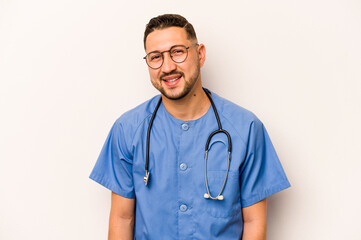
<point>153,51</point>
<point>166,50</point>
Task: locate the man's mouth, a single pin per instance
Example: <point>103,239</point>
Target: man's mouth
<point>172,80</point>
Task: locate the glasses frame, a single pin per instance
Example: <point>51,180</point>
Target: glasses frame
<point>162,54</point>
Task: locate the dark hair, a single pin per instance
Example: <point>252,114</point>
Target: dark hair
<point>169,20</point>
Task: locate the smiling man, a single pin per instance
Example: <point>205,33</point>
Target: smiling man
<point>186,164</point>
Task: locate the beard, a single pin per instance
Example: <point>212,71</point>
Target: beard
<point>188,84</point>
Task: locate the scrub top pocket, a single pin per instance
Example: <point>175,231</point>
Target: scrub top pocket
<point>231,204</point>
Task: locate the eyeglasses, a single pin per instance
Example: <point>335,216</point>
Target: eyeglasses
<point>178,53</point>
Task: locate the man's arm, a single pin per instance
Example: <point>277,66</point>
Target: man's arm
<point>254,221</point>
<point>121,219</point>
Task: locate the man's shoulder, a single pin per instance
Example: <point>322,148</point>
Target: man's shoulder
<point>234,112</point>
<point>138,114</point>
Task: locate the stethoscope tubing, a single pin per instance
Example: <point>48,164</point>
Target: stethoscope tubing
<point>146,177</point>
<point>219,130</point>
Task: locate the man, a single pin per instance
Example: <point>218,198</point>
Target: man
<point>181,192</point>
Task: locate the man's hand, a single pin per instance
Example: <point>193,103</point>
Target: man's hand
<point>121,219</point>
<point>255,221</point>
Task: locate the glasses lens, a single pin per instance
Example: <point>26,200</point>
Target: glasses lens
<point>154,59</point>
<point>178,53</point>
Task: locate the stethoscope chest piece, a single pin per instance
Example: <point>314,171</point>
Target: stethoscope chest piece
<point>146,178</point>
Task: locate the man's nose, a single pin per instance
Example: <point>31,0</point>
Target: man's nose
<point>168,64</point>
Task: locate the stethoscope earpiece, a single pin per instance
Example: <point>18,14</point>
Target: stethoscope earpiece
<point>219,197</point>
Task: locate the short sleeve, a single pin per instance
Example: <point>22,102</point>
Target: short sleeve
<point>113,168</point>
<point>261,173</point>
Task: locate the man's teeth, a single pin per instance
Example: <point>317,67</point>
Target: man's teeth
<point>172,80</point>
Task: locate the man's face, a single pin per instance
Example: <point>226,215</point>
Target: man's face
<point>174,80</point>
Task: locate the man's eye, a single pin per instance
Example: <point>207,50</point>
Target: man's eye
<point>177,51</point>
<point>155,57</point>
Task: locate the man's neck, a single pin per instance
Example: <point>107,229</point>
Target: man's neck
<point>191,107</point>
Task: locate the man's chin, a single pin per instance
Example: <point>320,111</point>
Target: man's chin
<point>174,95</point>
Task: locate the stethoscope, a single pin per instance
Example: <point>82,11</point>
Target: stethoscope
<point>219,130</point>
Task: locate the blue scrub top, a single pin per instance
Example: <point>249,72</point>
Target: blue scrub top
<point>172,206</point>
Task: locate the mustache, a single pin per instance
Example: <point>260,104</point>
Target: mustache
<point>171,73</point>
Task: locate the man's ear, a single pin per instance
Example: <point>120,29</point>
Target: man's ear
<point>201,54</point>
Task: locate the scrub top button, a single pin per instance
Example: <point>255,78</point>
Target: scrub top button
<point>183,166</point>
<point>183,208</point>
<point>185,126</point>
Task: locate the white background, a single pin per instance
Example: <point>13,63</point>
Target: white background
<point>69,68</point>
